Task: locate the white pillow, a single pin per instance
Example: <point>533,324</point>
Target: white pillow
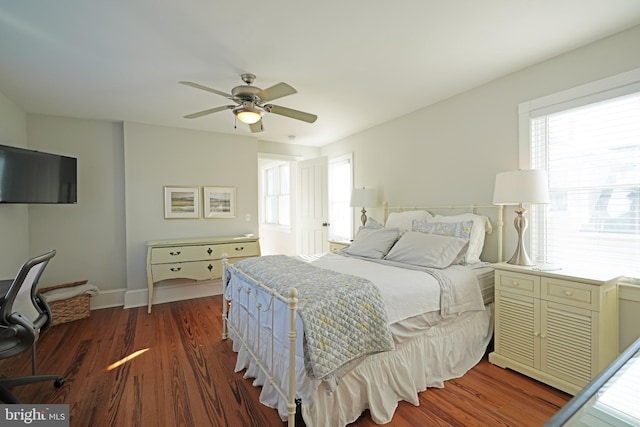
<point>461,230</point>
<point>427,250</point>
<point>373,243</point>
<point>481,226</point>
<point>404,220</point>
<point>371,223</point>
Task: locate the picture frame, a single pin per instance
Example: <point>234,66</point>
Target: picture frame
<point>219,202</point>
<point>181,202</point>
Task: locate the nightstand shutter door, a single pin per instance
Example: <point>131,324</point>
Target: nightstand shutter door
<point>517,327</point>
<point>567,342</point>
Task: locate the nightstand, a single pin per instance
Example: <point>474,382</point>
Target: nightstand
<point>559,327</point>
<point>337,245</point>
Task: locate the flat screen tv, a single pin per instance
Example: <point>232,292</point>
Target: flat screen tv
<point>28,176</point>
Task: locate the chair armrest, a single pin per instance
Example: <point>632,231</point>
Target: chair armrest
<point>8,331</point>
<point>41,301</point>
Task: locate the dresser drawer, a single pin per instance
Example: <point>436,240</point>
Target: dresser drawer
<point>233,250</point>
<point>523,284</point>
<point>197,270</point>
<point>568,292</point>
<point>182,253</point>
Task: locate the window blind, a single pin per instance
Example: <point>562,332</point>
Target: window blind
<point>592,156</point>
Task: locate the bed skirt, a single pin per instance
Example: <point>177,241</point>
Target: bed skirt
<point>380,381</point>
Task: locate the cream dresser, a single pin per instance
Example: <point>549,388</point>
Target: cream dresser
<point>559,327</point>
<point>197,259</point>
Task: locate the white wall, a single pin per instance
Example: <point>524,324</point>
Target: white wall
<point>14,224</point>
<point>103,237</point>
<point>88,236</point>
<point>157,156</point>
<point>449,153</point>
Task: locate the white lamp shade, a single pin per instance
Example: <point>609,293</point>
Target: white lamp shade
<point>521,186</point>
<point>364,197</point>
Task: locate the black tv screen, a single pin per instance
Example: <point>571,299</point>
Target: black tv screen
<point>28,176</point>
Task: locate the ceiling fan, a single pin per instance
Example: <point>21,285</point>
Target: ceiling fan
<point>251,102</point>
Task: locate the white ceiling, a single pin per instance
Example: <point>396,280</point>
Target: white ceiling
<point>355,63</point>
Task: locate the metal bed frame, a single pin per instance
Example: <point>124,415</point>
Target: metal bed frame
<point>292,302</point>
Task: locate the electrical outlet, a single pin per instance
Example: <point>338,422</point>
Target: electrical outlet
<point>247,217</point>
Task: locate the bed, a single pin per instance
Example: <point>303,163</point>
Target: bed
<point>407,306</point>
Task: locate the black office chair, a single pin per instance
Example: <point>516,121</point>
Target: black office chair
<point>24,314</point>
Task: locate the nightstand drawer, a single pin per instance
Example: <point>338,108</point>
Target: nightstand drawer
<point>335,246</point>
<point>567,292</point>
<point>523,284</point>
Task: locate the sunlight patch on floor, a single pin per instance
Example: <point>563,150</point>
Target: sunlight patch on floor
<point>126,359</point>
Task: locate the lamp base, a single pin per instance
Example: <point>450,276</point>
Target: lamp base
<point>520,257</point>
<point>363,217</point>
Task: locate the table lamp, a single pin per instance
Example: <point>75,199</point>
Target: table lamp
<point>517,188</point>
<point>365,197</point>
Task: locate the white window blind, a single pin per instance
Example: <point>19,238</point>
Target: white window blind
<point>592,155</point>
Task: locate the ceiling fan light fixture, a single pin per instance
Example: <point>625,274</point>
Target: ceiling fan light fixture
<point>248,114</point>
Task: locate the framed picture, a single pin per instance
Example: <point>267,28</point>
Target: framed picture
<point>219,202</point>
<point>181,202</point>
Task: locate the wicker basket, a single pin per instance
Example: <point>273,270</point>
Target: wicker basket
<point>69,309</point>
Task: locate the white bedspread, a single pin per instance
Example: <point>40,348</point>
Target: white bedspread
<point>425,356</point>
<point>396,283</point>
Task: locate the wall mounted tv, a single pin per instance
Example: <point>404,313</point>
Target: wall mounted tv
<point>28,176</point>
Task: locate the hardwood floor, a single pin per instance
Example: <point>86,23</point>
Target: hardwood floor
<point>171,368</point>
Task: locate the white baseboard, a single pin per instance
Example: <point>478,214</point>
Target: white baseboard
<point>172,292</point>
<point>106,299</point>
<point>162,294</point>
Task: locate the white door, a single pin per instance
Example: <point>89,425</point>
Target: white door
<point>313,212</point>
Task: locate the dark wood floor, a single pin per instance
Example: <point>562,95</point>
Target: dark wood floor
<point>171,368</point>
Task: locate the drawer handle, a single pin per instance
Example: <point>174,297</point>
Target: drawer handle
<point>210,267</point>
<point>241,248</point>
<point>515,283</point>
<point>568,293</point>
<point>175,253</point>
<point>209,251</point>
<point>175,268</point>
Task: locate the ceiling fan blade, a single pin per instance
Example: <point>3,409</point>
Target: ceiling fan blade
<point>208,89</point>
<point>209,111</point>
<point>256,127</point>
<point>289,112</point>
<point>276,91</point>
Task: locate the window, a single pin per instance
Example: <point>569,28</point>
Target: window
<point>590,147</point>
<point>340,185</point>
<point>277,194</point>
